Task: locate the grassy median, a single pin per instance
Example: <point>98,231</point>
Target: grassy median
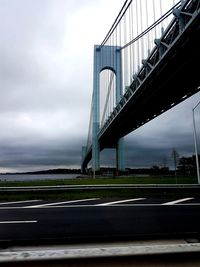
<point>99,193</point>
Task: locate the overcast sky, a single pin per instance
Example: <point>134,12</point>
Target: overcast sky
<point>46,65</point>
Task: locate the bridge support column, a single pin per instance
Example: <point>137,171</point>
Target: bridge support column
<point>83,169</point>
<point>120,156</point>
<point>95,150</point>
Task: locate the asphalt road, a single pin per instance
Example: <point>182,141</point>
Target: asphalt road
<point>97,220</point>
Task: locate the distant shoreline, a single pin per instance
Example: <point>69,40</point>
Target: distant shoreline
<point>51,171</point>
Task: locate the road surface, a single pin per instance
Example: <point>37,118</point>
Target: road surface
<point>98,220</point>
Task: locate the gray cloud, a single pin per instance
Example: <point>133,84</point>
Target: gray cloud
<point>46,67</point>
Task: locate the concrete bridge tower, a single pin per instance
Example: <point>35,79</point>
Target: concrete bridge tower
<point>105,57</point>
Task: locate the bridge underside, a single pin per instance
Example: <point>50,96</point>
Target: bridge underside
<point>174,79</point>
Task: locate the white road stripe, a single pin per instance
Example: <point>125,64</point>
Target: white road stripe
<point>13,222</point>
<point>177,201</point>
<point>63,202</point>
<point>119,201</point>
<point>16,202</point>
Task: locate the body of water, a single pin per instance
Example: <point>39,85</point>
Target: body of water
<point>33,177</point>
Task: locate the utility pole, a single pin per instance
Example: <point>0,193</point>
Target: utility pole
<point>175,156</point>
<point>195,143</point>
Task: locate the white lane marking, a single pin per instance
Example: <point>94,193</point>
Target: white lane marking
<point>13,222</point>
<point>119,201</point>
<point>16,202</point>
<point>177,201</point>
<point>63,202</point>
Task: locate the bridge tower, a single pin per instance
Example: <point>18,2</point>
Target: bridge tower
<point>105,57</point>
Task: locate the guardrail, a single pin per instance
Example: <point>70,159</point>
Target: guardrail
<point>97,187</point>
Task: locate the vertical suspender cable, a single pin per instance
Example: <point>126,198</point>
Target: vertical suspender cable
<point>141,30</point>
<point>134,44</point>
<point>125,51</point>
<point>129,49</point>
<point>117,43</point>
<point>154,17</point>
<point>147,25</point>
<point>113,60</point>
<point>161,13</point>
<point>132,47</point>
<point>109,44</point>
<point>137,26</point>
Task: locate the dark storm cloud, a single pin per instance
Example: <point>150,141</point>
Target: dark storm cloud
<point>146,156</point>
<point>152,144</point>
<point>30,157</point>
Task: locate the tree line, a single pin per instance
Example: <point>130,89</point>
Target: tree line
<point>185,166</point>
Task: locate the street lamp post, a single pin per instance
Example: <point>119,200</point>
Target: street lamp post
<point>195,143</point>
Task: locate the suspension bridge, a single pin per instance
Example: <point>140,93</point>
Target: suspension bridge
<point>146,64</point>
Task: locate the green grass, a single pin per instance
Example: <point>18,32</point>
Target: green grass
<point>101,193</point>
<point>98,181</point>
<point>68,195</point>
